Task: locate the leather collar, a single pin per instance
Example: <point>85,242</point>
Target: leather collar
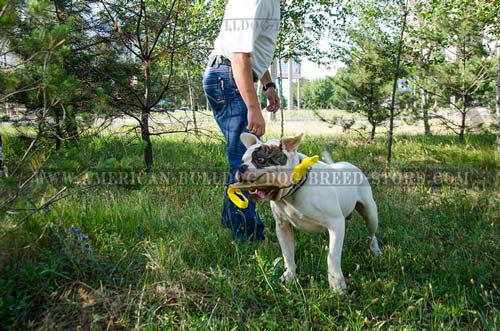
<point>295,187</point>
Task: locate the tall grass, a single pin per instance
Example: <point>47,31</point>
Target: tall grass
<point>160,260</point>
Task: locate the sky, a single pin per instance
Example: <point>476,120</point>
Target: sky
<point>312,71</point>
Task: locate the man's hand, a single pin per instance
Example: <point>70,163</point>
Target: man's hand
<point>256,124</point>
<point>273,101</point>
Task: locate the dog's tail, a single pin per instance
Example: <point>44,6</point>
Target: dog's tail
<point>327,158</point>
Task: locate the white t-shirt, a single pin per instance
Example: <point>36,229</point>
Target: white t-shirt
<point>250,26</point>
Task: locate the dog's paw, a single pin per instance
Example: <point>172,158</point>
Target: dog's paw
<point>374,247</point>
<point>287,277</point>
<point>337,285</point>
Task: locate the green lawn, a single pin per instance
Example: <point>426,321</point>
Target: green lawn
<point>159,259</point>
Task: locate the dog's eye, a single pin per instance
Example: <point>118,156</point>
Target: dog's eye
<point>260,160</point>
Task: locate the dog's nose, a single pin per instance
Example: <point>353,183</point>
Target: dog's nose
<point>243,168</point>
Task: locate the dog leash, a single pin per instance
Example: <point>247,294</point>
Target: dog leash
<point>280,94</point>
<point>282,126</point>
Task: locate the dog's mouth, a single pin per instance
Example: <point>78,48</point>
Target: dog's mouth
<point>263,193</point>
<point>265,185</point>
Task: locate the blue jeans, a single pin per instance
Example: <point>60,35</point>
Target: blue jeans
<point>230,113</point>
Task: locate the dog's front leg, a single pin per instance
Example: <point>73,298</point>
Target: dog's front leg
<point>335,276</point>
<point>284,231</point>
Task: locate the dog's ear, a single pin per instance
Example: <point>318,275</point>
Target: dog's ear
<point>249,139</point>
<point>291,144</point>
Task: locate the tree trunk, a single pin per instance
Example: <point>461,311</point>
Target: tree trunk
<point>463,111</point>
<point>427,125</point>
<point>146,136</point>
<point>191,98</point>
<point>372,134</point>
<point>61,13</point>
<point>463,114</point>
<point>461,134</point>
<point>425,113</point>
<point>498,98</point>
<point>290,85</point>
<point>371,114</point>
<point>145,133</point>
<point>1,157</point>
<point>395,85</point>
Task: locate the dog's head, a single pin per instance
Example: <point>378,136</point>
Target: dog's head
<point>271,156</point>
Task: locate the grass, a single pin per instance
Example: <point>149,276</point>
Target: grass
<point>160,260</point>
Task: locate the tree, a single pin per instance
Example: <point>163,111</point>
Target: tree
<point>318,94</point>
<point>37,79</point>
<point>498,98</point>
<point>466,69</point>
<point>365,81</point>
<point>63,30</point>
<point>487,13</point>
<point>378,29</point>
<point>397,70</point>
<point>302,24</point>
<point>368,46</point>
<point>6,17</point>
<point>147,40</point>
<point>423,54</point>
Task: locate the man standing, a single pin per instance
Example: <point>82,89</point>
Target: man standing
<point>242,53</point>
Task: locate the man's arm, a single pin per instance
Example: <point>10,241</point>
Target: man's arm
<point>242,72</point>
<point>266,78</point>
<point>273,101</point>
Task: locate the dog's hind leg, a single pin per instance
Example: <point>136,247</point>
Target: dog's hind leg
<point>368,209</point>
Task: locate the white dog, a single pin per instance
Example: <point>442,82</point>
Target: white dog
<point>323,199</point>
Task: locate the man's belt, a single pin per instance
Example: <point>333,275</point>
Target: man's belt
<point>222,60</point>
<point>219,59</point>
